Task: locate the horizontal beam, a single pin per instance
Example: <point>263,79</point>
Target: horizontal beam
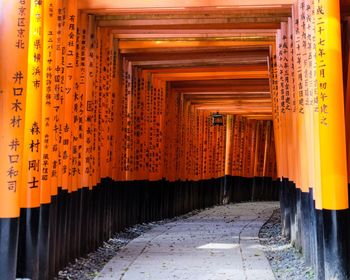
<point>233,68</point>
<point>243,42</point>
<point>179,4</point>
<point>254,84</point>
<point>227,93</point>
<point>247,22</point>
<point>263,108</point>
<point>220,53</point>
<point>212,75</point>
<point>199,49</point>
<point>209,98</point>
<point>235,101</point>
<point>201,62</point>
<point>194,13</point>
<point>194,34</point>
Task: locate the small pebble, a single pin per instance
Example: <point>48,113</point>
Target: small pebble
<point>286,262</point>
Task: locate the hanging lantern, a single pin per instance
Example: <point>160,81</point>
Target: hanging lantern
<point>217,119</point>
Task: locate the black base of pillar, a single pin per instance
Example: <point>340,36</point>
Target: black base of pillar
<point>335,232</point>
<point>52,240</point>
<point>285,205</point>
<point>242,189</point>
<point>306,231</point>
<point>293,213</point>
<point>44,241</point>
<point>313,230</point>
<point>9,228</point>
<point>319,253</point>
<point>28,249</point>
<point>298,218</point>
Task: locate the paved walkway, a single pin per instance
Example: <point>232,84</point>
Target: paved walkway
<point>218,243</point>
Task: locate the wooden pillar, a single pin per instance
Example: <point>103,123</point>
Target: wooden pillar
<point>28,259</point>
<point>14,29</point>
<point>332,138</point>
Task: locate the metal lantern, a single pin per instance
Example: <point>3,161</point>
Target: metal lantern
<point>217,119</point>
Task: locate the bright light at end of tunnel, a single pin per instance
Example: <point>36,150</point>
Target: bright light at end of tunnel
<point>218,246</point>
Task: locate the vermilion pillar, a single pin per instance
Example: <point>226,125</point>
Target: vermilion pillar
<point>28,263</point>
<point>332,137</point>
<point>14,29</point>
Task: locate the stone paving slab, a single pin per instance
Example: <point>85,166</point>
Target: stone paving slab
<point>217,243</point>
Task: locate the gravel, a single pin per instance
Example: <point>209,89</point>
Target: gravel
<point>87,268</point>
<point>286,262</point>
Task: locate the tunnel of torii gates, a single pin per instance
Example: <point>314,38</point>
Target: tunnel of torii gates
<point>106,120</point>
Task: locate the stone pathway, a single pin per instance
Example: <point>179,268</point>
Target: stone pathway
<point>218,243</point>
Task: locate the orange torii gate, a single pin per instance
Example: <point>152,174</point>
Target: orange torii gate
<point>83,125</point>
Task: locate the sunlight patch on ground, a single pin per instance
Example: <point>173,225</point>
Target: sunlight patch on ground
<point>218,246</point>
